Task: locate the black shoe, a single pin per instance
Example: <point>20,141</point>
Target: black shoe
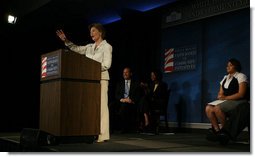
<point>212,135</point>
<point>140,130</point>
<point>223,137</point>
<point>212,130</point>
<point>146,129</point>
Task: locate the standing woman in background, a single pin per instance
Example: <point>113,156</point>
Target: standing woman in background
<point>100,51</point>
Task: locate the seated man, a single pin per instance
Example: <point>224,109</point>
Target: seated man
<point>127,95</point>
<point>233,110</point>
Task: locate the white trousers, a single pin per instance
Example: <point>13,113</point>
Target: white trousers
<point>104,120</point>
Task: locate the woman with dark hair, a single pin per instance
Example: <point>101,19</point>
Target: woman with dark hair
<point>158,97</point>
<point>232,94</point>
<point>99,51</point>
<point>158,89</point>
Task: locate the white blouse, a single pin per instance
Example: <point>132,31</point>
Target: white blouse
<point>101,54</point>
<point>239,76</point>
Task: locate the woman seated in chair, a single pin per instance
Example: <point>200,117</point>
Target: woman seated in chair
<point>158,91</point>
<point>233,89</point>
<point>153,101</point>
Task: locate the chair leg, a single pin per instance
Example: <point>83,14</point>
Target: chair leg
<point>166,122</point>
<point>157,124</point>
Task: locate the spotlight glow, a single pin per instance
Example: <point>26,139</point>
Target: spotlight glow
<point>12,19</point>
<point>148,5</point>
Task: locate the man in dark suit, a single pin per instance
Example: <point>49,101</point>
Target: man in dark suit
<point>127,95</point>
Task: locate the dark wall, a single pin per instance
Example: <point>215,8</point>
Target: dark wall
<point>185,86</point>
<point>135,41</point>
<point>218,39</point>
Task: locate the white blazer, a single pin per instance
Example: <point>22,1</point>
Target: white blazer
<point>102,54</point>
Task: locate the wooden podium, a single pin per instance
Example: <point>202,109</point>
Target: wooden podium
<point>69,94</point>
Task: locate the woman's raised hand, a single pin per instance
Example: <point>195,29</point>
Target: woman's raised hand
<point>61,35</point>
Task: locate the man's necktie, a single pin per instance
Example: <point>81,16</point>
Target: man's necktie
<point>126,89</point>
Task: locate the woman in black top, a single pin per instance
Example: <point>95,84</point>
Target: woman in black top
<point>233,92</point>
<point>153,101</point>
<point>158,91</point>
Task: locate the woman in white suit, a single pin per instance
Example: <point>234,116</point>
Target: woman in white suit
<point>100,51</point>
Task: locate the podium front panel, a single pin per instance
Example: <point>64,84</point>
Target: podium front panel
<point>70,108</point>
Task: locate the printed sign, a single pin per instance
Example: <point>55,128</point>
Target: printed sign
<point>180,59</point>
<point>50,66</point>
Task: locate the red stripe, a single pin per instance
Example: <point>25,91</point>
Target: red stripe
<point>44,74</point>
<point>169,68</point>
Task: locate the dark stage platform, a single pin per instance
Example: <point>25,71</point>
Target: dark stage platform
<point>135,142</point>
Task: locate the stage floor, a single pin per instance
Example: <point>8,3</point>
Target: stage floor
<point>177,142</point>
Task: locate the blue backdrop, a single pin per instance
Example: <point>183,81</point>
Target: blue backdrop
<point>218,39</point>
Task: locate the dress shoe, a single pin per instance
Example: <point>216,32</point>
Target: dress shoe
<point>223,137</point>
<point>146,128</point>
<point>212,135</point>
<point>101,141</point>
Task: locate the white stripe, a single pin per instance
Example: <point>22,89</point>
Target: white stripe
<point>44,59</point>
<point>44,70</point>
<point>168,71</point>
<point>170,64</point>
<point>169,51</point>
<point>44,64</point>
<point>169,57</point>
